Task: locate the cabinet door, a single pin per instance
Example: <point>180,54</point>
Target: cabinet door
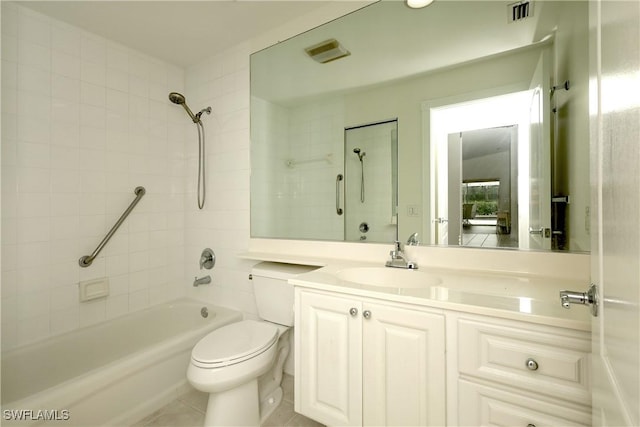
<point>328,380</point>
<point>403,367</point>
<point>480,405</point>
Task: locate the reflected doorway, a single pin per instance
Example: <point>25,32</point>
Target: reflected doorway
<point>483,205</point>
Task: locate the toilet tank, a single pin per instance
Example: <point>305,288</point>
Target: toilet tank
<point>274,296</point>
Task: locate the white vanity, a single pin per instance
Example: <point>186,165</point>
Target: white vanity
<point>383,346</point>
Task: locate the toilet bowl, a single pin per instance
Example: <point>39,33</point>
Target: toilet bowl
<point>240,365</point>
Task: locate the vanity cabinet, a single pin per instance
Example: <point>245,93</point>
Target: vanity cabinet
<point>517,373</point>
<point>360,361</point>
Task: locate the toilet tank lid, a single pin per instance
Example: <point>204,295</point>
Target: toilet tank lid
<point>279,270</point>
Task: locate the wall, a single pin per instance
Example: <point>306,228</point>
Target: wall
<point>571,152</point>
<point>222,82</point>
<point>85,121</point>
<point>403,99</point>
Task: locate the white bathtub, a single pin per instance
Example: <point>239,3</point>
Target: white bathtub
<point>112,373</point>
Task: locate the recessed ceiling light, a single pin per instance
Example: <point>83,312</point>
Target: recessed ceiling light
<point>417,4</point>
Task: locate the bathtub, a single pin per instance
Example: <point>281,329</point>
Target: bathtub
<point>112,373</point>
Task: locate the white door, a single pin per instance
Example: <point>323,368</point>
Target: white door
<point>328,381</point>
<point>540,158</point>
<point>615,169</point>
<point>448,172</point>
<point>453,225</point>
<point>403,367</point>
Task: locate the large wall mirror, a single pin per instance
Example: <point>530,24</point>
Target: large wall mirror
<point>464,123</point>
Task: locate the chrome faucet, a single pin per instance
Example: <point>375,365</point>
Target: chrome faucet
<point>413,240</point>
<point>201,281</point>
<point>398,258</point>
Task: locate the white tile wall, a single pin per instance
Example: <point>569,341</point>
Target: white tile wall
<point>222,82</point>
<point>85,121</point>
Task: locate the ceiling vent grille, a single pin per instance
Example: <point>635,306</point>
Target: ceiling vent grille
<point>327,51</point>
<point>519,11</point>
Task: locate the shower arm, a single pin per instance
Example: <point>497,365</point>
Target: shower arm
<point>86,260</point>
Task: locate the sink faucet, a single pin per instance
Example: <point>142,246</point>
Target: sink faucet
<point>413,240</point>
<point>201,281</point>
<point>398,258</point>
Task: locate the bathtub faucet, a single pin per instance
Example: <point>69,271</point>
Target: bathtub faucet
<point>201,281</point>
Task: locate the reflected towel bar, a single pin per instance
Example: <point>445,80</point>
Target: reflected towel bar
<point>86,260</point>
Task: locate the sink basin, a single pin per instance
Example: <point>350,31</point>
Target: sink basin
<point>388,277</point>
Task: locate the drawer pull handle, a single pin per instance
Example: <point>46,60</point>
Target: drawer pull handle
<point>532,365</point>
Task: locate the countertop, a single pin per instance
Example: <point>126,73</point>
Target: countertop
<point>517,297</point>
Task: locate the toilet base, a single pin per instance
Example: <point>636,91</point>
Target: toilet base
<point>236,407</point>
<point>270,403</point>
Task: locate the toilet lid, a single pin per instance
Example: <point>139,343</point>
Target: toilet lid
<point>234,343</point>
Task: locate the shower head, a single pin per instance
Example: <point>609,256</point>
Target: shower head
<point>359,152</point>
<point>178,98</point>
<point>356,150</point>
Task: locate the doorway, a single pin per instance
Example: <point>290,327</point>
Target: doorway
<point>473,143</point>
<point>488,175</point>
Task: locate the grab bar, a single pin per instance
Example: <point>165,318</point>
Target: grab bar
<point>86,260</point>
<point>338,208</point>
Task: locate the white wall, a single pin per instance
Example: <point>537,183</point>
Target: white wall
<point>85,121</point>
<point>572,134</point>
<point>222,82</point>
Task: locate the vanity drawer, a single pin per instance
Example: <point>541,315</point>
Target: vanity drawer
<point>551,361</point>
<point>481,405</point>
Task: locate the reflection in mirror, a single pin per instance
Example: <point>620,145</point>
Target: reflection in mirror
<point>371,177</point>
<point>452,52</point>
<point>486,201</point>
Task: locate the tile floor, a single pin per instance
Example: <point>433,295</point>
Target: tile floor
<point>188,411</point>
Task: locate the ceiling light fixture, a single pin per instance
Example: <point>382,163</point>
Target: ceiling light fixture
<point>417,4</point>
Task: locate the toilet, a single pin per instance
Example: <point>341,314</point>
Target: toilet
<point>240,365</point>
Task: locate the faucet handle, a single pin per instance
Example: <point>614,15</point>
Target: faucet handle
<point>413,240</point>
<point>207,259</point>
<point>397,245</point>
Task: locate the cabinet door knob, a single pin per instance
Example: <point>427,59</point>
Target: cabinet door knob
<point>353,311</point>
<point>366,314</point>
<point>532,365</point>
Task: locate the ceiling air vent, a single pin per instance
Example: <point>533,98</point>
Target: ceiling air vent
<point>327,51</point>
<point>519,11</point>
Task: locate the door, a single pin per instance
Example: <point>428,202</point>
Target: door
<point>615,240</point>
<point>539,229</point>
<point>328,380</point>
<point>451,229</point>
<point>403,367</point>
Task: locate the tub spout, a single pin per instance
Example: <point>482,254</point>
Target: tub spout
<point>201,281</point>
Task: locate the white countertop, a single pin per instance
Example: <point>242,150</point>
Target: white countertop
<point>519,297</point>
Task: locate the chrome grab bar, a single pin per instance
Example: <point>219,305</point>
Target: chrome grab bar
<point>86,260</point>
<point>338,208</point>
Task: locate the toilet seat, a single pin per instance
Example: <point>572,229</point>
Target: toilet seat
<point>234,344</point>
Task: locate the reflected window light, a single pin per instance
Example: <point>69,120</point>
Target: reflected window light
<point>525,305</point>
<point>617,90</point>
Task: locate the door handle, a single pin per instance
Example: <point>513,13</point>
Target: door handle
<point>584,298</point>
<point>440,220</point>
<point>537,232</point>
<point>338,208</point>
